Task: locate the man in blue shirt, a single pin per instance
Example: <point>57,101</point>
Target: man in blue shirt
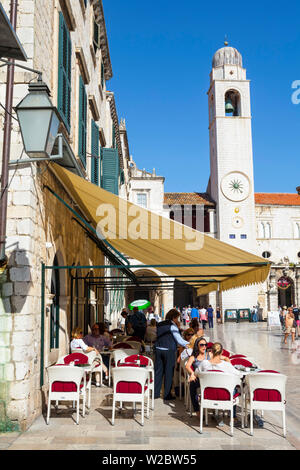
<point>194,313</point>
<point>210,316</point>
<point>168,337</point>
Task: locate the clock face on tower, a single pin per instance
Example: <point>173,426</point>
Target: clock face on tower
<point>235,186</point>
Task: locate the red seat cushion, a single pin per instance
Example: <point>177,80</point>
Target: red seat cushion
<point>129,387</point>
<point>237,355</point>
<point>212,393</point>
<point>219,394</point>
<point>143,359</point>
<point>264,394</point>
<point>76,357</point>
<point>64,387</point>
<point>241,362</point>
<point>271,371</point>
<point>209,345</point>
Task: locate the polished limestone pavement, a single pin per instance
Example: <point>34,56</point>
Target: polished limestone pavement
<point>170,427</point>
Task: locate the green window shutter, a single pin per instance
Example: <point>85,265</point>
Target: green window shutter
<point>64,72</point>
<point>96,39</point>
<point>82,122</point>
<point>102,75</point>
<point>95,153</point>
<point>110,170</point>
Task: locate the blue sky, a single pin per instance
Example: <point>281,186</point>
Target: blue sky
<point>161,53</point>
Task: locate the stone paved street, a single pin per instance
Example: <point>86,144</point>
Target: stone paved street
<point>170,426</point>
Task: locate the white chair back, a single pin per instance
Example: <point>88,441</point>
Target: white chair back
<point>267,380</point>
<point>119,354</point>
<point>135,344</point>
<point>129,374</point>
<point>218,380</point>
<point>65,374</point>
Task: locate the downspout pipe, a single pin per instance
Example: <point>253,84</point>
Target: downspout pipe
<point>7,141</point>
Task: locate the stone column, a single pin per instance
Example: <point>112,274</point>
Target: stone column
<point>212,221</point>
<point>272,292</point>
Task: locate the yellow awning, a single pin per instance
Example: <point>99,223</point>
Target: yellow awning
<point>156,240</point>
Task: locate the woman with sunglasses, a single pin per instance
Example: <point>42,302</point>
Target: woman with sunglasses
<point>199,354</point>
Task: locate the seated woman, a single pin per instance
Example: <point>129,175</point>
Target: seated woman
<point>151,330</point>
<point>198,355</point>
<point>217,362</point>
<point>77,342</point>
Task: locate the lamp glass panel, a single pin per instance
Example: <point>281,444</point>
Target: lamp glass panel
<point>52,133</point>
<point>34,127</point>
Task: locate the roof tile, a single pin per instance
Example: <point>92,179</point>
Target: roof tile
<point>277,199</point>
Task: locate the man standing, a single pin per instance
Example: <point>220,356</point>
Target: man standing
<point>138,323</point>
<point>168,337</point>
<point>98,340</point>
<point>296,313</point>
<point>210,316</point>
<point>194,313</point>
<point>203,317</point>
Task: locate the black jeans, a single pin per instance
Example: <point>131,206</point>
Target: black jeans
<point>193,392</point>
<point>163,366</point>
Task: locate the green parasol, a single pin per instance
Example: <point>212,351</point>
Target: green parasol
<point>140,304</point>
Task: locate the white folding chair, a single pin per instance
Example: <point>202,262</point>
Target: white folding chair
<point>130,385</point>
<point>90,358</point>
<point>220,394</point>
<point>150,368</point>
<point>65,384</point>
<point>266,391</point>
<point>116,356</point>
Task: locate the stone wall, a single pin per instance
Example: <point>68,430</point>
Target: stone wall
<point>39,226</point>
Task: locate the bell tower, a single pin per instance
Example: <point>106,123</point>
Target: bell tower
<point>231,160</point>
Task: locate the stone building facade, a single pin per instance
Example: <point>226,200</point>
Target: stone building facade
<point>66,41</point>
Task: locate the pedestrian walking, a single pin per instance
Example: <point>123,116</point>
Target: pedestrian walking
<point>203,317</point>
<point>210,316</point>
<point>194,313</point>
<point>289,325</point>
<point>218,315</point>
<point>138,322</point>
<point>296,313</point>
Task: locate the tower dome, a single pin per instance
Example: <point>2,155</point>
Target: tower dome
<point>227,56</point>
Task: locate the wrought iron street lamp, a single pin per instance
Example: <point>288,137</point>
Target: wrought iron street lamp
<point>39,122</point>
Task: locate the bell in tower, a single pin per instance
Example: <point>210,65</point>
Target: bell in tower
<point>232,103</point>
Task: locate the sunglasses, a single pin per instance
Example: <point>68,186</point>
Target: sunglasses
<point>189,334</point>
<point>202,344</point>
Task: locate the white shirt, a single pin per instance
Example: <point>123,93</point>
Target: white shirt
<point>223,365</point>
<point>78,343</point>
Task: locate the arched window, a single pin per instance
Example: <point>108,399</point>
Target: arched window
<point>261,230</point>
<point>297,230</point>
<point>268,230</point>
<point>232,103</point>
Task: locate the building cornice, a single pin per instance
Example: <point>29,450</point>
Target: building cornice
<point>114,115</point>
<point>100,20</point>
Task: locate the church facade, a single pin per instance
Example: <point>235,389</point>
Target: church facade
<point>265,224</point>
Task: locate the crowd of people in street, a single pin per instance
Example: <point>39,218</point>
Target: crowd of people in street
<point>202,314</point>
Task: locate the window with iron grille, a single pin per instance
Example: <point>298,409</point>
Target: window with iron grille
<point>64,72</point>
<point>95,166</point>
<point>82,122</point>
